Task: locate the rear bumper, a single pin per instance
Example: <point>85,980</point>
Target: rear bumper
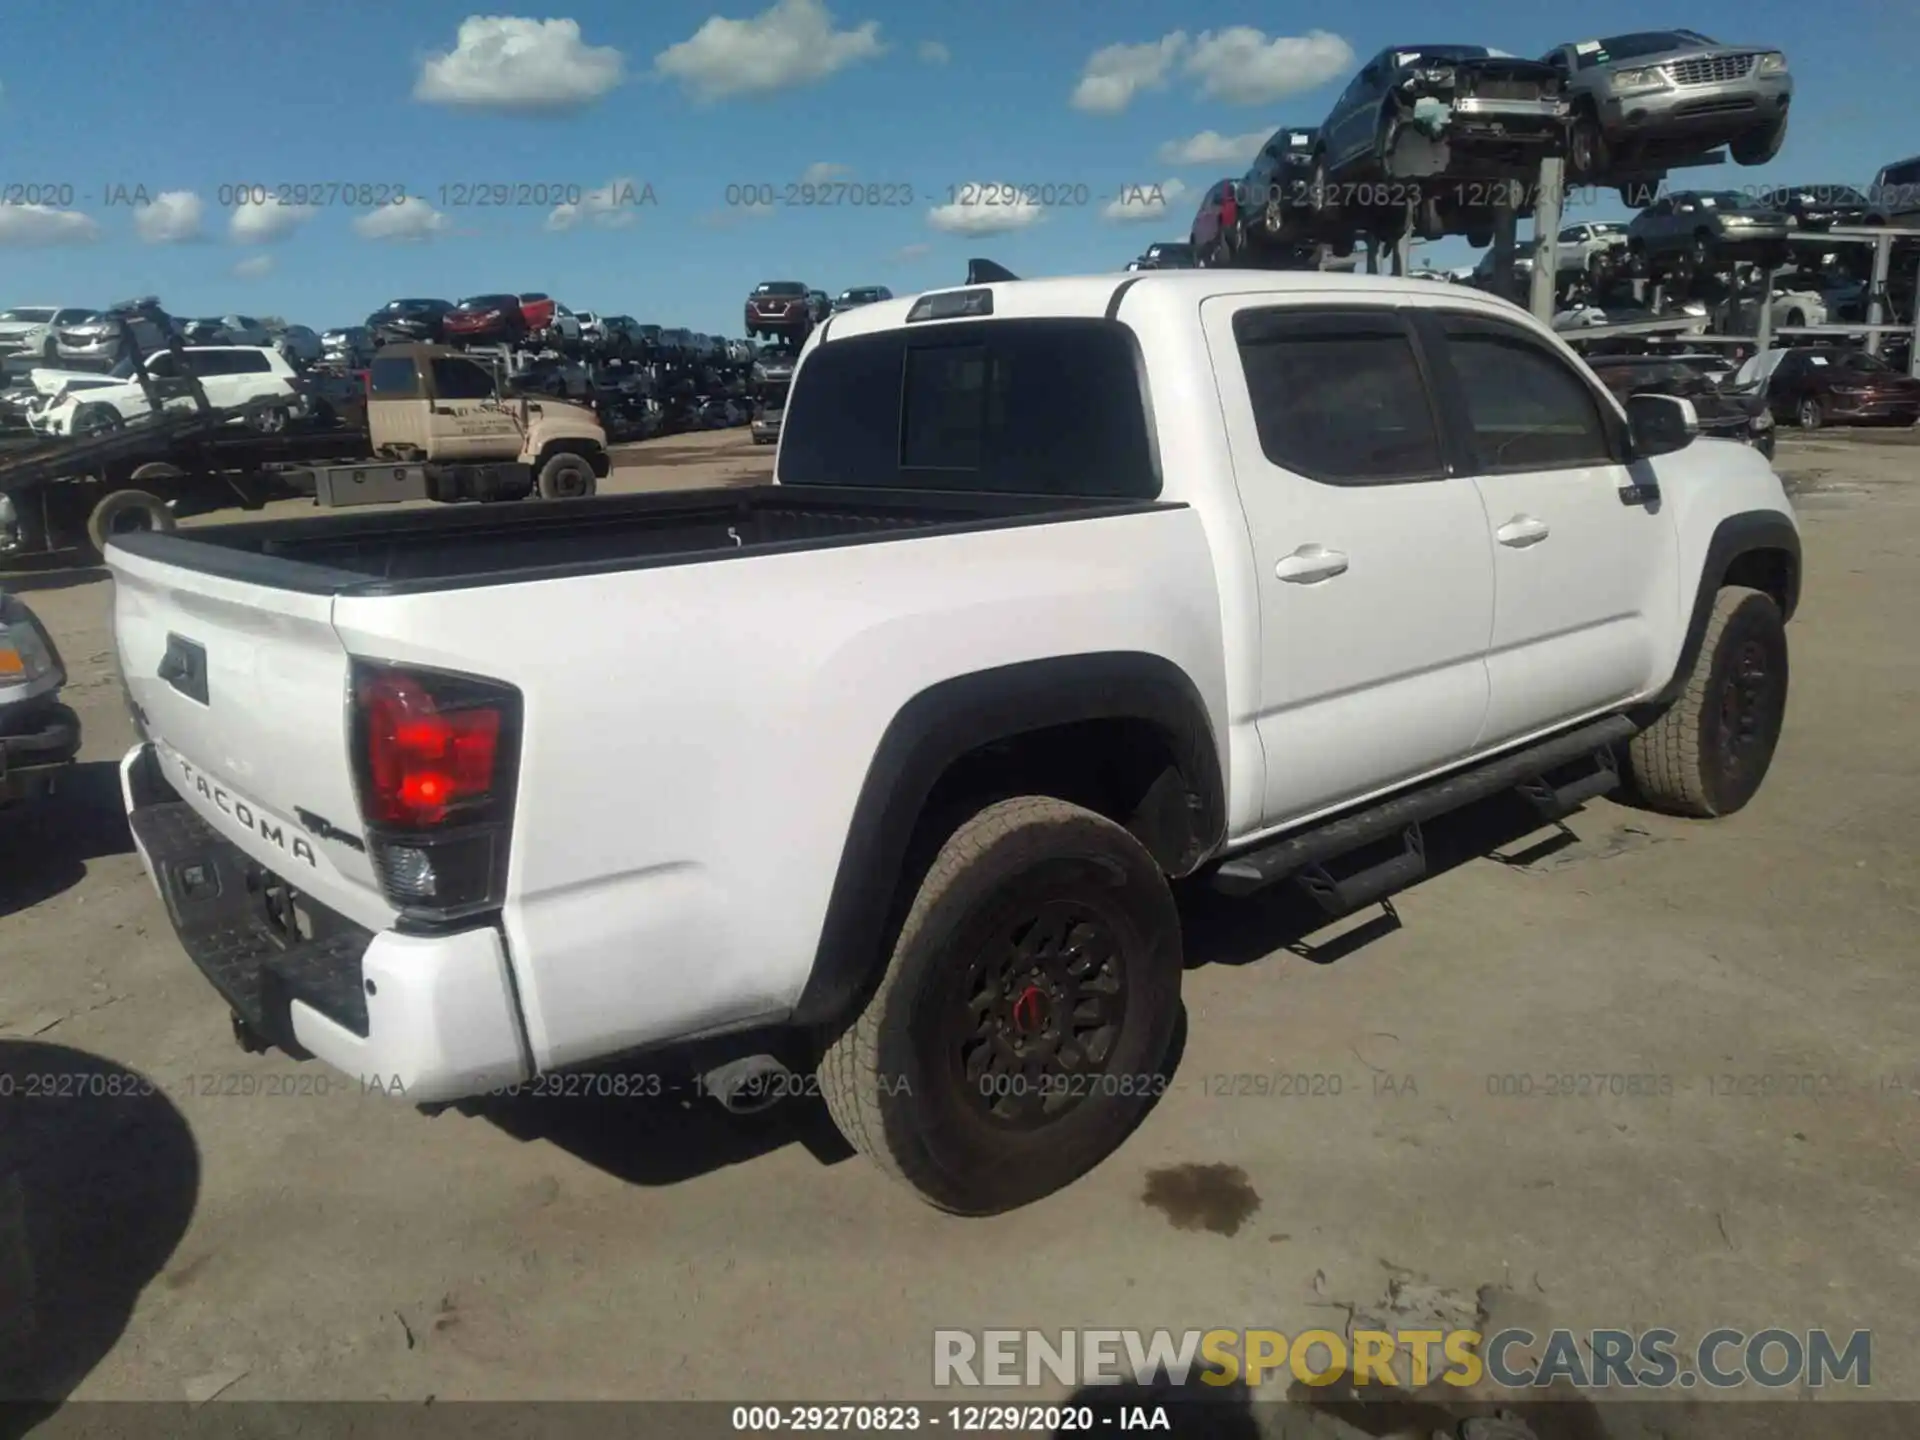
<point>430,1017</point>
<point>32,763</point>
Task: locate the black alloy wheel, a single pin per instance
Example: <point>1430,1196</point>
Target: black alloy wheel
<point>1041,1010</point>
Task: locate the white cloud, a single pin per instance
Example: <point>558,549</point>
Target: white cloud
<point>1116,73</point>
<point>974,218</point>
<point>263,224</point>
<point>611,207</point>
<point>253,267</point>
<point>1241,66</point>
<point>1210,147</point>
<point>823,172</point>
<point>172,216</point>
<point>519,66</point>
<point>793,43</point>
<point>37,225</point>
<point>408,219</point>
<point>1147,201</point>
<point>932,52</point>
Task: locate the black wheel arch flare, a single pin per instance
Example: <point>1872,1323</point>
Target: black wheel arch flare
<point>955,718</point>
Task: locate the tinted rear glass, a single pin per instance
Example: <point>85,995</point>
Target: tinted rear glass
<point>491,302</point>
<point>1044,407</point>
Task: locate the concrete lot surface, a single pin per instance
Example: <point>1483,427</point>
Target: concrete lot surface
<point>1731,1006</point>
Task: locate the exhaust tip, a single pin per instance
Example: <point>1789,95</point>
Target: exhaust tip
<point>749,1086</point>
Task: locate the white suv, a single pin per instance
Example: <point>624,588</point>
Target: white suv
<point>29,329</point>
<point>230,375</point>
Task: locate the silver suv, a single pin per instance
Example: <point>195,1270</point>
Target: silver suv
<point>1895,195</point>
<point>98,339</point>
<point>1671,93</point>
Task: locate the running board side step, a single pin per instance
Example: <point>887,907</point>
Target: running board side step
<point>1292,854</point>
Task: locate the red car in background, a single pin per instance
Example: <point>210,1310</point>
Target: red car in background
<point>1216,225</point>
<point>485,319</point>
<point>781,310</point>
<point>538,310</point>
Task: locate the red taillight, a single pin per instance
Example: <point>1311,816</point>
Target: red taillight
<point>422,761</point>
<point>436,762</point>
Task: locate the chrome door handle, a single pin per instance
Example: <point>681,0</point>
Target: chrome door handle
<point>1309,564</point>
<point>1521,531</point>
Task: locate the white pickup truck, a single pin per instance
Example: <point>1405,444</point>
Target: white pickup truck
<point>1064,590</point>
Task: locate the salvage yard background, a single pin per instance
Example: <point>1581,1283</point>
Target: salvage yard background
<point>1753,979</point>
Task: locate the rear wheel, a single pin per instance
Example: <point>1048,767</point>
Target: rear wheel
<point>126,511</point>
<point>1021,1027</point>
<point>1708,754</point>
<point>1811,413</point>
<point>567,476</point>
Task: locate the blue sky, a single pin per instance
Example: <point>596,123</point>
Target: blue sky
<point>671,103</point>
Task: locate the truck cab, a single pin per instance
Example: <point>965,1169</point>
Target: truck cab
<point>433,405</point>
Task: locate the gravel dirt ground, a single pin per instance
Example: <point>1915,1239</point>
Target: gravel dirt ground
<point>1733,1002</point>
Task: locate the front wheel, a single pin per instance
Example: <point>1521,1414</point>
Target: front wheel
<point>1587,150</point>
<point>1021,1027</point>
<point>97,419</point>
<point>567,476</point>
<point>1708,754</point>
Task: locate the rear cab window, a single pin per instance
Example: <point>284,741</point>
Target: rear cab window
<point>1019,406</point>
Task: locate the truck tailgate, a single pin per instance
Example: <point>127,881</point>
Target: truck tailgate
<point>242,689</point>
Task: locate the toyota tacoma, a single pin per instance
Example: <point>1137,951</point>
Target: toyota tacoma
<point>1062,591</point>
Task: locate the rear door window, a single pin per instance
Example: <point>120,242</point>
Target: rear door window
<point>227,362</point>
<point>1050,407</point>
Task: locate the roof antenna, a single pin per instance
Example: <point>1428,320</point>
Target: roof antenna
<point>985,272</point>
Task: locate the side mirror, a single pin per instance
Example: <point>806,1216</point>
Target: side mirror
<point>1661,424</point>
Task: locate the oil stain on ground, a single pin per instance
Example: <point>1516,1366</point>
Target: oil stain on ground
<point>1215,1198</point>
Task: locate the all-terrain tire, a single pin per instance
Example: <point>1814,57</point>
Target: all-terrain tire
<point>1707,755</point>
<point>897,1081</point>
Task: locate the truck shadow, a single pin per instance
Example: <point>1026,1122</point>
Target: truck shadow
<point>1230,930</point>
<point>652,1130</point>
<point>45,844</point>
<point>665,1139</point>
<point>99,1176</point>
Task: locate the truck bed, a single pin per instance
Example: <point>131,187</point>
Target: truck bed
<point>409,552</point>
